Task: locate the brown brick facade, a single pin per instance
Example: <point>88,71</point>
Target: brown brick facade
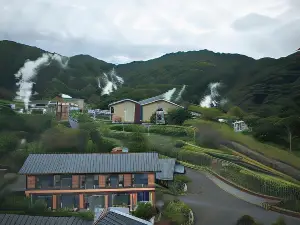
<point>31,182</point>
<point>151,179</point>
<point>102,181</point>
<point>75,181</point>
<point>127,180</point>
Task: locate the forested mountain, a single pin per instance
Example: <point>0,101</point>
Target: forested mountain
<point>268,86</point>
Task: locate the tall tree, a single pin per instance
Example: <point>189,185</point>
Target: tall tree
<point>290,124</point>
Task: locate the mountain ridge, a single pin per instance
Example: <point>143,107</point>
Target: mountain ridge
<point>250,83</point>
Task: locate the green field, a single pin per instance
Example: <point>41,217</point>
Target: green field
<point>247,140</point>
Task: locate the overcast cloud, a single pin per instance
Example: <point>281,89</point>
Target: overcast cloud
<point>121,31</point>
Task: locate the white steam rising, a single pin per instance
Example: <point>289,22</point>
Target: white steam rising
<point>173,94</point>
<point>179,96</point>
<point>111,82</point>
<point>169,94</point>
<point>29,71</point>
<point>211,99</point>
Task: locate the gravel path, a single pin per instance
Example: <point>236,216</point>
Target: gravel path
<point>214,206</point>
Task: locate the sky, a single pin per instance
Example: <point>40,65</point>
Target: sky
<point>120,31</point>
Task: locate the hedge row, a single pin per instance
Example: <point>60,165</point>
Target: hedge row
<point>259,182</point>
<point>177,131</point>
<point>253,181</point>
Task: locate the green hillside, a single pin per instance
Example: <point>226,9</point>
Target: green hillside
<point>265,88</point>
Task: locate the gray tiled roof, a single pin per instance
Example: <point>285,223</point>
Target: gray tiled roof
<point>90,163</point>
<point>153,99</point>
<point>13,219</point>
<point>167,169</point>
<point>123,100</point>
<point>115,217</point>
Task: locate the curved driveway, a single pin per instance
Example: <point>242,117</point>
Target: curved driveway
<point>214,206</point>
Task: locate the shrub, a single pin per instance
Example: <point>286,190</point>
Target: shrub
<point>144,210</point>
<point>279,221</point>
<point>8,142</point>
<point>170,130</point>
<point>177,212</point>
<point>293,205</point>
<point>196,158</point>
<point>245,220</point>
<point>138,143</point>
<point>178,116</point>
<point>182,178</point>
<point>38,206</point>
<point>179,144</point>
<point>236,112</point>
<point>208,137</point>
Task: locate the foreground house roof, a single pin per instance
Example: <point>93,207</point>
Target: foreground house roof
<point>116,217</point>
<point>13,219</point>
<point>167,169</point>
<point>90,163</point>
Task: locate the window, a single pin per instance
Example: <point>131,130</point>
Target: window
<point>69,201</point>
<point>96,181</point>
<point>82,181</point>
<point>143,196</point>
<point>89,182</point>
<point>45,198</point>
<point>112,109</point>
<point>66,181</point>
<point>121,200</point>
<point>44,182</point>
<point>57,183</point>
<point>140,180</point>
<point>121,180</point>
<point>107,181</point>
<point>112,181</point>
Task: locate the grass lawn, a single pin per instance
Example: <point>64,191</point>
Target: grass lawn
<point>247,140</point>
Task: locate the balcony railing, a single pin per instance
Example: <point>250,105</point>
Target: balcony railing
<point>93,186</point>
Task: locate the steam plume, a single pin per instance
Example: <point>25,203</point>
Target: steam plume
<point>29,71</point>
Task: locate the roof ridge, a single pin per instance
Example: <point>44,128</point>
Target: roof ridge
<point>102,215</point>
<point>83,153</point>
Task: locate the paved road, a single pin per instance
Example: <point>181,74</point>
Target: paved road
<point>214,206</point>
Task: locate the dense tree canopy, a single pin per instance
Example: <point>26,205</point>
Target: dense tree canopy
<point>256,90</point>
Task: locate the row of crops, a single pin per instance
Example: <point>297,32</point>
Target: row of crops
<point>224,164</point>
<point>254,181</point>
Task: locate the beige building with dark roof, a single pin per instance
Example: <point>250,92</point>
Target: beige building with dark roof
<point>131,111</point>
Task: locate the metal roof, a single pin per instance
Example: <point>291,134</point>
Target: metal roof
<point>156,99</point>
<point>13,219</point>
<point>116,217</point>
<point>39,102</point>
<point>153,99</point>
<point>90,163</point>
<point>167,167</point>
<point>123,100</point>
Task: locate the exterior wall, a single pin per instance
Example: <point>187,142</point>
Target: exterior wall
<point>119,111</point>
<point>149,109</point>
<point>79,102</point>
<point>75,190</point>
<point>81,204</point>
<point>137,114</point>
<point>62,111</point>
<point>30,182</point>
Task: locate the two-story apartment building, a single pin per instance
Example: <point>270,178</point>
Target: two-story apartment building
<point>89,181</point>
